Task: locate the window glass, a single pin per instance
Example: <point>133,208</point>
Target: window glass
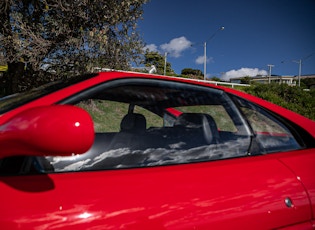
<point>271,134</point>
<point>218,112</point>
<point>156,123</point>
<point>152,119</point>
<point>144,123</point>
<point>15,100</point>
<point>106,115</point>
<point>263,124</point>
<point>168,120</point>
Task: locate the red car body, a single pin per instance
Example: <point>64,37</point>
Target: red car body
<point>256,192</point>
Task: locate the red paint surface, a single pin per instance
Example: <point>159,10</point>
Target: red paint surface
<point>61,130</point>
<point>243,193</point>
<point>227,194</point>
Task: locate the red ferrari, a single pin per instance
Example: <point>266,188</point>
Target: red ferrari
<point>121,150</point>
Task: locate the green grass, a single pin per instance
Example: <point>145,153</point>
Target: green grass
<point>106,115</point>
<point>218,113</point>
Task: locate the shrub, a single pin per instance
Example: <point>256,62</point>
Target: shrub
<point>292,98</point>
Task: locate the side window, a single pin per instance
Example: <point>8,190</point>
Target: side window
<point>157,123</point>
<point>152,119</point>
<point>106,114</point>
<point>263,124</point>
<point>218,112</point>
<point>271,134</point>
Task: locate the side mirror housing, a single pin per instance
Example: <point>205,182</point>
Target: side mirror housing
<point>55,130</point>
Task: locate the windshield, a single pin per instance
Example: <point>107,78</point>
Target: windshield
<point>13,101</point>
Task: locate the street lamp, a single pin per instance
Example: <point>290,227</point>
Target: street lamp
<point>205,52</point>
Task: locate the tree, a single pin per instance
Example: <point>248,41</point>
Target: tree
<point>215,79</point>
<point>156,59</point>
<point>53,36</point>
<point>308,82</point>
<point>192,73</point>
<point>245,80</point>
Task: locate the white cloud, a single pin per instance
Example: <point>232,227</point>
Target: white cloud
<point>243,72</point>
<point>176,46</point>
<point>200,60</point>
<point>151,48</point>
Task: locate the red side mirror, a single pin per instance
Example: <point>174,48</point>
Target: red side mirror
<point>50,130</point>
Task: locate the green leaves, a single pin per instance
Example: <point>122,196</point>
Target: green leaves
<point>156,59</point>
<point>70,37</point>
<point>192,73</point>
<point>292,98</point>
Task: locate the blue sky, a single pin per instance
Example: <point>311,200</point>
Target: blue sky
<point>256,33</point>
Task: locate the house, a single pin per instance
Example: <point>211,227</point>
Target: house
<point>264,79</point>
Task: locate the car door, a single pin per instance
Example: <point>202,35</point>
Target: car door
<point>255,193</point>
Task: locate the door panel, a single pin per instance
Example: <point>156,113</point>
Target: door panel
<point>302,163</point>
<point>228,194</point>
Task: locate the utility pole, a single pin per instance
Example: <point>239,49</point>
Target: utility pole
<point>165,57</point>
<point>269,74</point>
<point>300,70</point>
<point>300,65</point>
<point>204,60</point>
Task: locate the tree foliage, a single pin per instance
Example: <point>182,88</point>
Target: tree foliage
<point>245,80</point>
<point>67,36</point>
<point>192,73</point>
<point>156,59</point>
<point>292,98</point>
<point>215,79</point>
<point>308,82</point>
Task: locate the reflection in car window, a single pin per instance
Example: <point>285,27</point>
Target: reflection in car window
<point>270,133</point>
<point>206,126</point>
<point>15,100</point>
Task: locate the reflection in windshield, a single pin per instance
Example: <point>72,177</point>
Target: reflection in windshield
<point>13,101</point>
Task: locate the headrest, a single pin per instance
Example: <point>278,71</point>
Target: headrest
<point>198,120</point>
<point>190,120</point>
<point>133,122</point>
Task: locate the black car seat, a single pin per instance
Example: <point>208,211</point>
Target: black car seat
<point>202,125</point>
<point>132,129</point>
<point>133,122</point>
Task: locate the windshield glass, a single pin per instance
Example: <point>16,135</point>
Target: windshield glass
<point>15,100</point>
